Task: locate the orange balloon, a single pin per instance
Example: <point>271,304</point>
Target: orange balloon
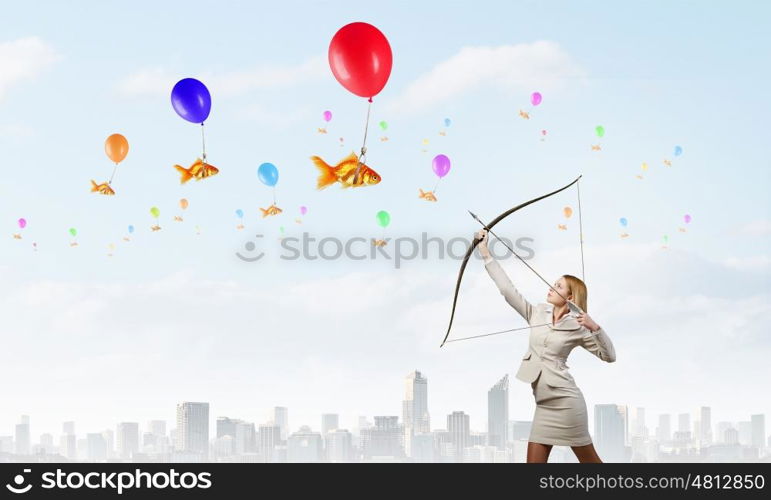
<point>568,212</point>
<point>116,147</point>
<point>183,203</point>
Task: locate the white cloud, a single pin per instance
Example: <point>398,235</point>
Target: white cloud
<point>160,81</point>
<point>542,65</point>
<point>760,227</point>
<point>22,60</point>
<point>753,263</point>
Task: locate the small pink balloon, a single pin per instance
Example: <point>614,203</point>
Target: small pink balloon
<point>303,210</point>
<point>687,218</point>
<point>327,116</point>
<point>535,99</point>
<point>543,132</point>
<point>22,223</point>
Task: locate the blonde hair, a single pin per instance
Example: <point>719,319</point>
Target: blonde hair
<point>577,289</point>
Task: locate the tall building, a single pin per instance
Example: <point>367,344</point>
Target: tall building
<point>705,426</point>
<point>384,439</point>
<point>498,414</point>
<point>128,439</point>
<point>281,419</point>
<point>459,429</point>
<point>157,428</point>
<point>639,424</point>
<point>304,446</point>
<point>96,447</point>
<point>329,422</point>
<point>610,432</point>
<point>664,429</point>
<point>519,429</point>
<point>758,423</point>
<point>684,422</point>
<point>68,446</point>
<point>339,446</point>
<point>415,417</point>
<point>68,427</point>
<point>23,444</point>
<point>269,440</point>
<point>193,428</point>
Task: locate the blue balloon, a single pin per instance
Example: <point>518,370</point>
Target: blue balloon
<point>240,213</point>
<point>678,150</point>
<point>131,229</point>
<point>268,174</point>
<point>191,100</point>
<point>447,122</point>
<point>623,221</point>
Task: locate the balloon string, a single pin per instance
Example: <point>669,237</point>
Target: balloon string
<point>581,231</point>
<point>113,173</point>
<point>203,145</point>
<point>436,185</point>
<point>274,195</point>
<point>363,155</point>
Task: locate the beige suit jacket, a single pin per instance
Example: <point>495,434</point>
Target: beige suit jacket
<point>550,344</point>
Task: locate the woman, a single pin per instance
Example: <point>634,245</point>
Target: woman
<point>560,415</point>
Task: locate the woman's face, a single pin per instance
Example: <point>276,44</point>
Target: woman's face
<point>554,298</point>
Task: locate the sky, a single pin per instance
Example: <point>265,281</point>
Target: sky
<point>175,315</point>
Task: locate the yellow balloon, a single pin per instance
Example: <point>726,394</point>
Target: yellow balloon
<point>645,166</point>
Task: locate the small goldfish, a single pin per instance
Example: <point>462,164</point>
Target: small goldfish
<point>240,226</point>
<point>667,163</point>
<point>178,218</point>
<point>103,188</point>
<point>299,221</point>
<point>271,210</point>
<point>563,227</point>
<point>442,132</point>
<point>126,238</point>
<point>155,228</point>
<point>344,172</point>
<point>624,235</point>
<point>639,177</point>
<point>197,170</point>
<point>426,195</point>
<point>596,147</point>
<point>524,114</point>
<point>17,236</point>
<point>379,243</point>
<point>74,244</point>
<point>681,229</point>
<point>322,130</point>
<point>383,139</point>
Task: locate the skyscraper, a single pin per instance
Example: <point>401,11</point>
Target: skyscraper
<point>498,414</point>
<point>458,426</point>
<point>281,419</point>
<point>23,444</point>
<point>758,423</point>
<point>193,428</point>
<point>705,430</point>
<point>128,439</point>
<point>383,439</point>
<point>664,429</point>
<point>415,409</point>
<point>610,432</point>
<point>329,422</point>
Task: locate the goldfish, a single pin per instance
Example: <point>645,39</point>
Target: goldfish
<point>197,170</point>
<point>563,227</point>
<point>299,221</point>
<point>383,139</point>
<point>596,147</point>
<point>271,210</point>
<point>524,114</point>
<point>178,218</point>
<point>103,188</point>
<point>344,172</point>
<point>624,235</point>
<point>322,130</point>
<point>639,177</point>
<point>240,226</point>
<point>126,238</point>
<point>155,228</point>
<point>442,133</point>
<point>74,244</point>
<point>426,195</point>
<point>17,236</point>
<point>379,243</point>
<point>681,229</point>
<point>667,163</point>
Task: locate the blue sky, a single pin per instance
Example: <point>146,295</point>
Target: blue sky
<point>654,74</point>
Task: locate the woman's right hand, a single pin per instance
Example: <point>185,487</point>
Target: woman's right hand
<point>481,235</point>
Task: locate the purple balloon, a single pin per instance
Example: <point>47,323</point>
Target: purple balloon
<point>191,100</point>
<point>687,218</point>
<point>441,165</point>
<point>535,99</point>
<point>303,210</point>
<point>22,223</point>
<point>327,116</point>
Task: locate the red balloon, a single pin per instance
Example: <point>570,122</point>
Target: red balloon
<point>360,58</point>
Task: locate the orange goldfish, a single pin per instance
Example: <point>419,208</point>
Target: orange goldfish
<point>681,229</point>
<point>442,133</point>
<point>197,170</point>
<point>271,210</point>
<point>379,243</point>
<point>17,236</point>
<point>322,130</point>
<point>126,238</point>
<point>624,235</point>
<point>178,218</point>
<point>344,172</point>
<point>74,244</point>
<point>103,188</point>
<point>383,139</point>
<point>563,227</point>
<point>155,228</point>
<point>667,163</point>
<point>240,226</point>
<point>524,114</point>
<point>639,177</point>
<point>596,147</point>
<point>427,195</point>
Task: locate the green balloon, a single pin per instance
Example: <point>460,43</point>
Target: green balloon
<point>600,130</point>
<point>73,231</point>
<point>383,125</point>
<point>383,218</point>
<point>155,212</point>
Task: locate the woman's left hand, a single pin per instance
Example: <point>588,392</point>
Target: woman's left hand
<point>586,320</point>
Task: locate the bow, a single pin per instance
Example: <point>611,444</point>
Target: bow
<point>476,242</point>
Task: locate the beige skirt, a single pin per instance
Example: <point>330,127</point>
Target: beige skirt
<point>560,415</point>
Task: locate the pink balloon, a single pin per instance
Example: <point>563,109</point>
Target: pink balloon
<point>441,165</point>
<point>303,210</point>
<point>535,99</point>
<point>687,218</point>
<point>327,116</point>
<point>22,223</point>
<point>543,132</point>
